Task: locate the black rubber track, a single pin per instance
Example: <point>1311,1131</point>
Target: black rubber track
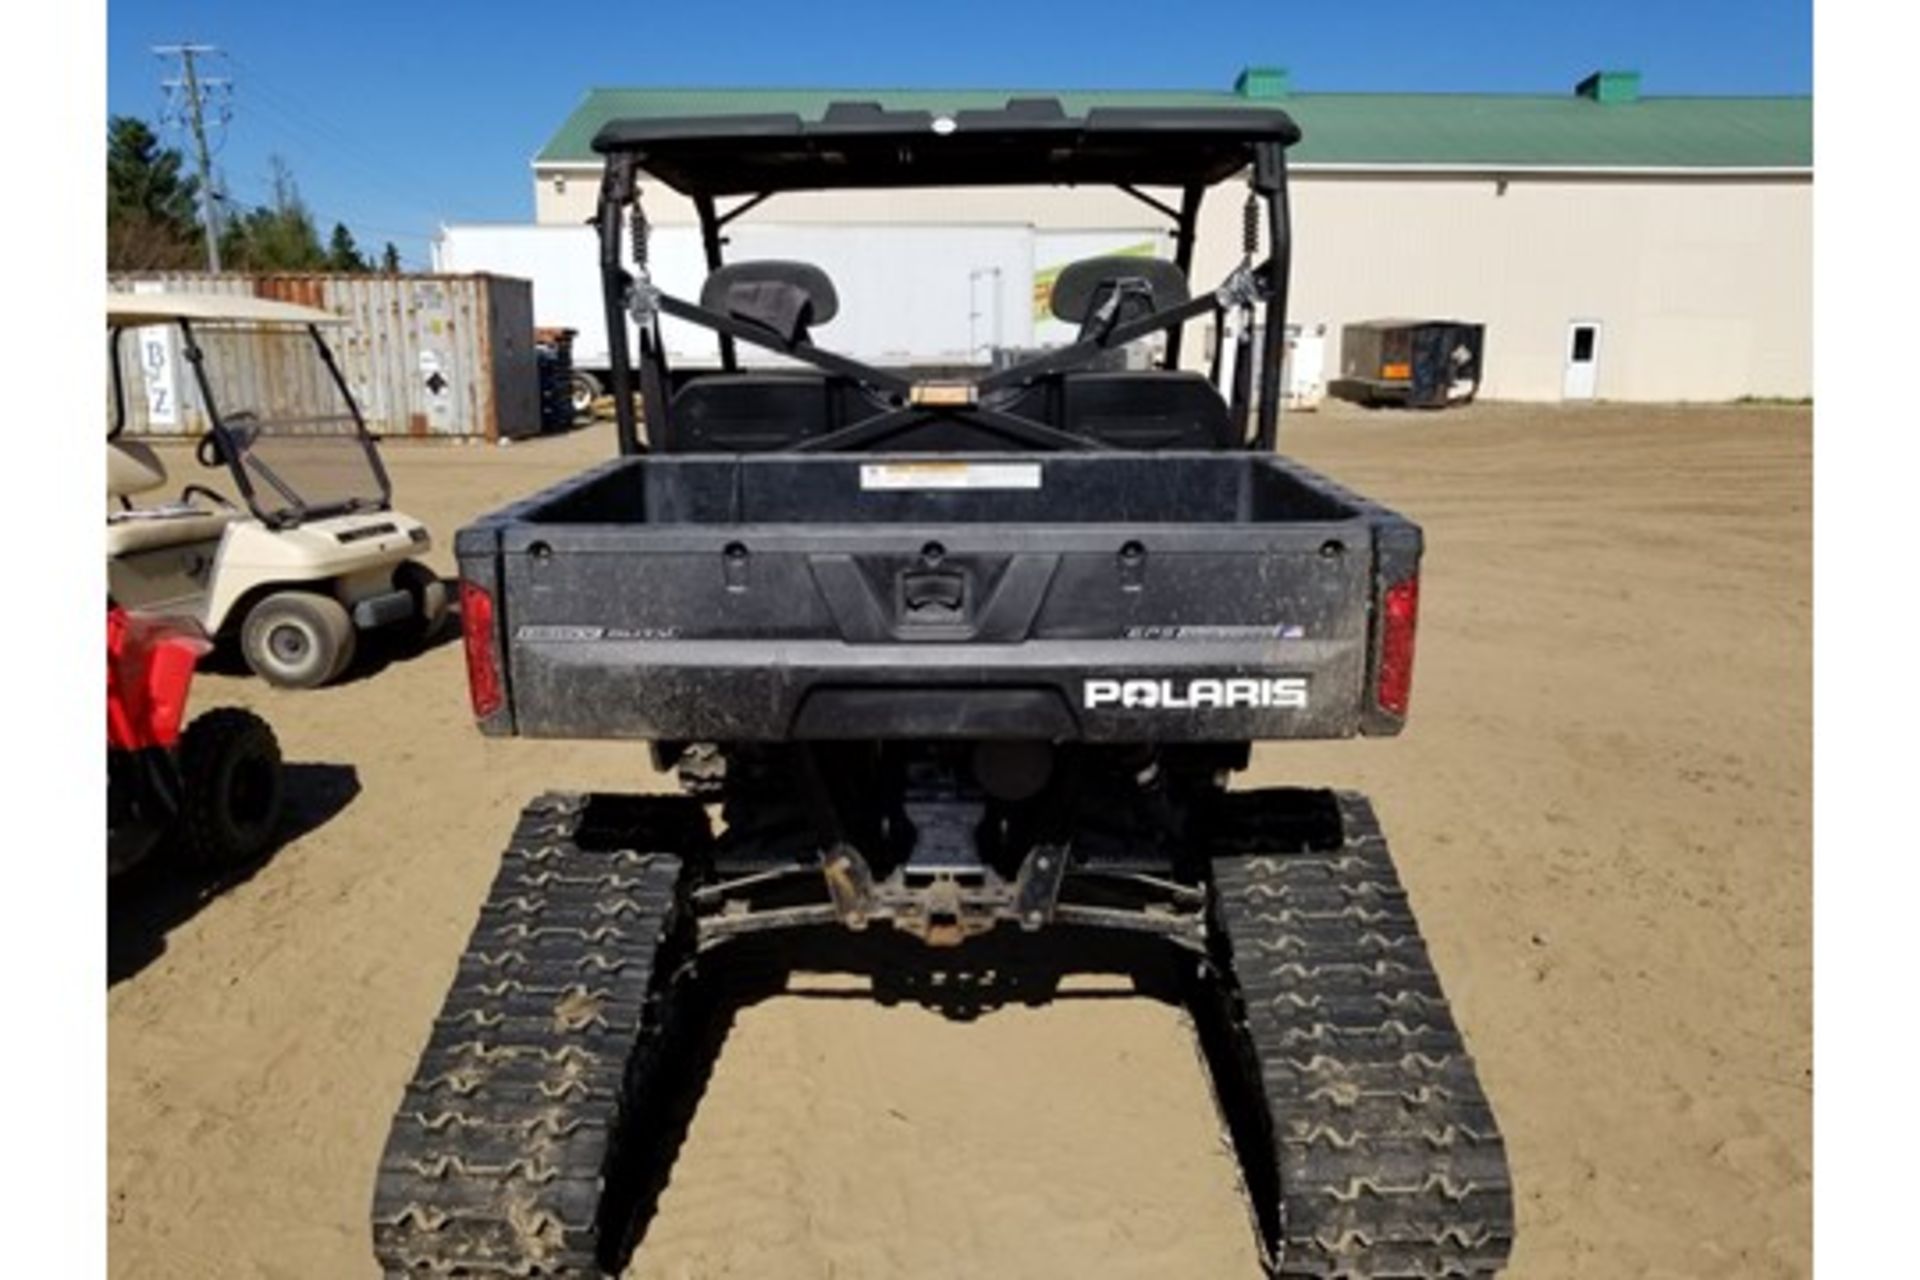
<point>1376,1153</point>
<point>505,1146</point>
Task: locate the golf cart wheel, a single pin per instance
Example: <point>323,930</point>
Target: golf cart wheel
<point>297,640</point>
<point>582,390</point>
<point>429,592</point>
<point>232,788</point>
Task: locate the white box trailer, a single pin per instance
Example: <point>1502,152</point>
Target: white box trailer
<point>911,294</point>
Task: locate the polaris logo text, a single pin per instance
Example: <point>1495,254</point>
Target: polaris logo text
<point>1278,692</point>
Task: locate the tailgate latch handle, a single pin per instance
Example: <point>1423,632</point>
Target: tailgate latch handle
<point>933,595</point>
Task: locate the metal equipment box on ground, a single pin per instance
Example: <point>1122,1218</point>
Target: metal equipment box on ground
<point>1426,364</point>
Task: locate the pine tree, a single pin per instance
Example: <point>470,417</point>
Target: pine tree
<point>275,237</point>
<point>151,223</point>
<point>342,253</point>
<point>390,259</point>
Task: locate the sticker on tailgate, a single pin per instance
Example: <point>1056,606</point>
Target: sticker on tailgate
<point>576,635</point>
<point>1211,631</point>
<point>949,475</point>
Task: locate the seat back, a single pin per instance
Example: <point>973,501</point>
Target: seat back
<point>765,412</point>
<point>760,412</point>
<point>1147,409</point>
<point>748,412</point>
<point>783,296</point>
<point>1143,285</point>
<point>133,468</point>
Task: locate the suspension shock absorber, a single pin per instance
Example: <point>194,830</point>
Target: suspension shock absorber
<point>640,230</point>
<point>643,304</point>
<point>1242,396</point>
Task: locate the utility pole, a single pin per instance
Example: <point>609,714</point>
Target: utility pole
<point>195,89</point>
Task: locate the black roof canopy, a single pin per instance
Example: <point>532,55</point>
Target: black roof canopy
<point>1030,141</point>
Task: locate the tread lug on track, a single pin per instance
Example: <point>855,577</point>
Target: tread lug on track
<point>1378,1142</point>
<point>504,1145</point>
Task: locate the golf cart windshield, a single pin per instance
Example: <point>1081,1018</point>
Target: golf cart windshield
<point>264,394</point>
<point>286,424</point>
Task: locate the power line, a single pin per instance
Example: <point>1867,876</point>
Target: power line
<point>375,177</point>
<point>282,114</point>
<point>196,90</point>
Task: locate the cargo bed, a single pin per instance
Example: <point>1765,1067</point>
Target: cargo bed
<point>1071,596</point>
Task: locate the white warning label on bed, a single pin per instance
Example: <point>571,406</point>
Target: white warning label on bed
<point>950,475</point>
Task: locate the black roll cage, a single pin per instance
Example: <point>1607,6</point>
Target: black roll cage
<point>1260,287</point>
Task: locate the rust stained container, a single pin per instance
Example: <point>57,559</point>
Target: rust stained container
<point>426,355</point>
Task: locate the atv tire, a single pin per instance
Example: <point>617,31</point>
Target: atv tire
<point>297,639</point>
<point>232,788</point>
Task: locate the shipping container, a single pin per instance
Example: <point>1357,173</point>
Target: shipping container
<point>425,355</point>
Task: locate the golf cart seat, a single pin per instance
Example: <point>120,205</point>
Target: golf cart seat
<point>151,528</point>
<point>133,468</point>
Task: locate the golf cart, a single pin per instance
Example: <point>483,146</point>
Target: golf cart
<point>317,554</point>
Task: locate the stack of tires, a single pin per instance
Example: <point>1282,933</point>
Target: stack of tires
<point>559,395</point>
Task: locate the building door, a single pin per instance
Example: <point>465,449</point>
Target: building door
<point>1583,360</point>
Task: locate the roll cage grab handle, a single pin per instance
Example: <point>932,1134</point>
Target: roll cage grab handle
<point>1262,285</point>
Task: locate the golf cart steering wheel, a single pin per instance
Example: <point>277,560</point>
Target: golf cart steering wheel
<point>212,451</point>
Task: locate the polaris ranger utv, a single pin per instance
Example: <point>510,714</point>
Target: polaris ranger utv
<point>946,659</point>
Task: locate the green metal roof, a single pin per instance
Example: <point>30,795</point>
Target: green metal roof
<point>1363,129</point>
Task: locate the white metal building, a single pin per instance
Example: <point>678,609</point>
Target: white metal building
<point>1616,246</point>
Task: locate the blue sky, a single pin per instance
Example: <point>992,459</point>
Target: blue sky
<point>394,117</point>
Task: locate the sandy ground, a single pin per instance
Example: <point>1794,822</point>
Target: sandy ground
<point>1602,811</point>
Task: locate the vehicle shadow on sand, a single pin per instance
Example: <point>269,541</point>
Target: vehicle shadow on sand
<point>381,648</point>
<point>149,901</point>
<point>992,972</point>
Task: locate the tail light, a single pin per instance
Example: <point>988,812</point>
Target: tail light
<point>1400,609</point>
<point>483,659</point>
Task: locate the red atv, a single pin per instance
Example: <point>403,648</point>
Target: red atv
<point>212,793</point>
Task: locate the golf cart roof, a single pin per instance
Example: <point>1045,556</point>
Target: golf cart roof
<point>127,310</point>
<point>1029,141</point>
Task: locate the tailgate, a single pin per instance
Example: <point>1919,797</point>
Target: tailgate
<point>647,601</point>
